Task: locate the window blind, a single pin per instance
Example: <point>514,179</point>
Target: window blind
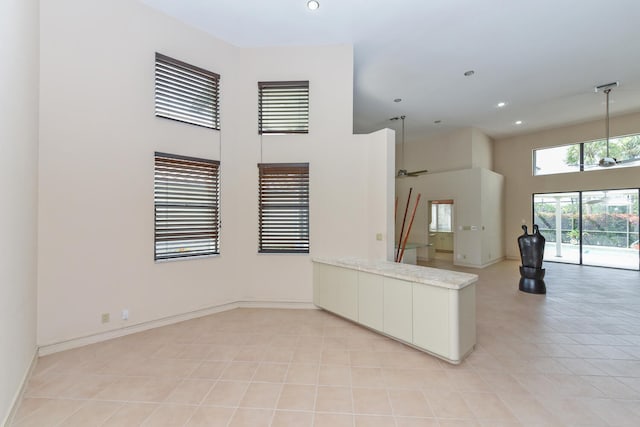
<point>284,208</point>
<point>187,93</point>
<point>283,107</point>
<point>187,206</point>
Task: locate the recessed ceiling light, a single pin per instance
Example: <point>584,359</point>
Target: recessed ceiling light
<point>469,73</point>
<point>518,122</point>
<point>397,100</point>
<point>501,104</point>
<point>313,4</point>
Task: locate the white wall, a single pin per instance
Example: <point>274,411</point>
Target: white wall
<point>96,177</point>
<point>513,159</point>
<point>460,149</point>
<point>18,186</point>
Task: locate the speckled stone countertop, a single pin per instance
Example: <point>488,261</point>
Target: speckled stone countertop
<point>412,273</point>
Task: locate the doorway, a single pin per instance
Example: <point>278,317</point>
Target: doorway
<point>598,228</point>
<point>441,229</point>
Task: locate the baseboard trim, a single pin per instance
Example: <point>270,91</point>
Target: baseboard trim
<point>169,320</point>
<point>15,404</point>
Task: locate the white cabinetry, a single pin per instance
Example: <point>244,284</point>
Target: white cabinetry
<point>339,292</point>
<point>398,319</point>
<point>435,315</point>
<point>371,300</point>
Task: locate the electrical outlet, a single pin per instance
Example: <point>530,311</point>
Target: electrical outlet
<point>125,314</point>
<point>105,317</point>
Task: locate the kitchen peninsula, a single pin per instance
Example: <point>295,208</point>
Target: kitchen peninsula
<point>431,309</point>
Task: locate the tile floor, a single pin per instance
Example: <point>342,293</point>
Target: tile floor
<point>571,357</point>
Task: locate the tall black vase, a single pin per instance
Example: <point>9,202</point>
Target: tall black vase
<point>531,254</point>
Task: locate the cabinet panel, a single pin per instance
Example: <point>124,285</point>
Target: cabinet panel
<point>398,318</point>
<point>371,300</point>
<point>338,290</point>
<point>431,319</point>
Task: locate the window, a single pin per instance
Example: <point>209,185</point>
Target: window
<point>187,93</point>
<point>563,159</point>
<point>283,107</point>
<point>283,208</point>
<point>586,155</point>
<point>441,215</point>
<point>187,206</point>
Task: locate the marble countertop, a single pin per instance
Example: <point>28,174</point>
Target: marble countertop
<point>412,273</point>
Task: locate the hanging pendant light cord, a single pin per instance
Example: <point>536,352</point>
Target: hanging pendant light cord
<point>402,117</point>
<point>607,121</point>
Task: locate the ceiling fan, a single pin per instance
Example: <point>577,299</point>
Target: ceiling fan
<point>402,172</point>
<point>608,160</point>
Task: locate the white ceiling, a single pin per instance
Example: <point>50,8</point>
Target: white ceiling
<point>542,57</point>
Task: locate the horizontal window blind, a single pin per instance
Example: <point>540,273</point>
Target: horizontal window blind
<point>187,93</point>
<point>187,206</point>
<point>283,107</point>
<point>284,208</point>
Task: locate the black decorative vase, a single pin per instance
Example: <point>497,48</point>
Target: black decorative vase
<point>531,253</point>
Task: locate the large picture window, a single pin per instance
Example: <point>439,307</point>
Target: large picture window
<point>187,93</point>
<point>187,206</point>
<point>283,208</point>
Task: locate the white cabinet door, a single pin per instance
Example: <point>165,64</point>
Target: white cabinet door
<point>431,319</point>
<point>398,317</point>
<point>371,300</point>
<point>337,290</point>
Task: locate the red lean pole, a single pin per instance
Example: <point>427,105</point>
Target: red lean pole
<point>403,222</point>
<point>413,215</point>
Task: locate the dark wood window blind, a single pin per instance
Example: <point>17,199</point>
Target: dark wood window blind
<point>284,208</point>
<point>187,206</point>
<point>187,93</point>
<point>283,107</point>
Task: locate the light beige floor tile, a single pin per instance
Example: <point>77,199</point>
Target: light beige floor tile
<point>261,395</point>
<point>92,413</point>
<point>334,399</point>
<point>333,420</point>
<point>302,373</point>
<point>244,417</point>
<point>374,421</point>
<point>297,397</point>
<point>226,393</point>
<point>409,403</point>
<point>416,422</point>
<point>52,412</point>
<point>239,371</point>
<point>271,372</point>
<point>170,415</point>
<point>190,391</point>
<point>130,414</point>
<point>210,416</point>
<point>448,404</point>
<point>292,419</point>
<point>338,356</point>
<point>334,375</point>
<point>371,401</point>
<point>560,359</point>
<point>367,377</point>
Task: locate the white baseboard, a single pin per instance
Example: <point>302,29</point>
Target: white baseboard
<point>13,409</point>
<point>116,333</point>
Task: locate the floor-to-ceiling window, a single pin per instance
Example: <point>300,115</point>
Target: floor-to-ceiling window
<point>597,228</point>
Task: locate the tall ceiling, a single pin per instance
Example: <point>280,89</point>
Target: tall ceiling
<point>543,57</point>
